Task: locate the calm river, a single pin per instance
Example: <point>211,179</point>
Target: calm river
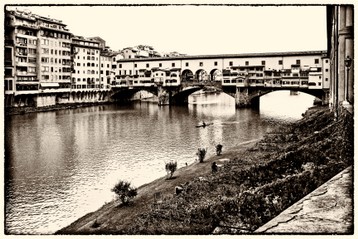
<point>61,165</point>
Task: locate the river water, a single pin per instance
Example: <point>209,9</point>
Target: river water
<point>61,165</point>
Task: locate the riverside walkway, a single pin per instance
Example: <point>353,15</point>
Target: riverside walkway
<point>326,210</point>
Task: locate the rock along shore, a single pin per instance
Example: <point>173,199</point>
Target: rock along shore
<point>256,182</point>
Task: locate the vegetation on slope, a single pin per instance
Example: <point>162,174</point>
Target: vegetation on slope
<point>293,162</point>
<point>252,188</point>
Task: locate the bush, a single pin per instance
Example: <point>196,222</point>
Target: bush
<point>201,154</point>
<point>171,167</point>
<point>124,191</point>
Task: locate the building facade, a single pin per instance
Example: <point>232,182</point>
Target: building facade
<point>86,63</point>
<point>37,59</point>
<point>305,69</point>
<point>340,36</point>
<point>45,63</point>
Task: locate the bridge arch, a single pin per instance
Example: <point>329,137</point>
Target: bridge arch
<point>254,97</point>
<point>127,94</point>
<point>181,97</point>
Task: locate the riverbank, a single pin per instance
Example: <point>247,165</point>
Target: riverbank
<point>32,109</point>
<point>256,181</point>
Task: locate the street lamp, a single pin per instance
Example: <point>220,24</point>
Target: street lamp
<point>348,63</point>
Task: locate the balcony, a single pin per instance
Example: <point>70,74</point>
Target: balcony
<point>22,63</point>
<point>21,53</point>
<point>25,73</point>
<point>21,44</point>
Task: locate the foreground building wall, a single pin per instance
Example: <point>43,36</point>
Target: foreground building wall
<point>340,38</point>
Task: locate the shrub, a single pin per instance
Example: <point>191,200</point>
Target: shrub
<point>124,191</point>
<point>201,154</point>
<point>171,167</point>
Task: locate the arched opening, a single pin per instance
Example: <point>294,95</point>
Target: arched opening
<point>201,75</point>
<point>187,75</point>
<point>216,75</point>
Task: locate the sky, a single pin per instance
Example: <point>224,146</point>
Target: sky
<point>197,30</point>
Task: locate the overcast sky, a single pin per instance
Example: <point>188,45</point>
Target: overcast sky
<point>196,30</point>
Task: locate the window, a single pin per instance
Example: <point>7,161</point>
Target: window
<point>230,63</point>
<point>135,65</point>
<point>160,64</point>
<point>246,63</point>
<point>44,59</point>
<point>147,65</point>
<point>32,51</point>
<point>201,64</point>
<point>280,62</point>
<point>326,79</point>
<point>119,65</point>
<point>215,63</point>
<point>326,70</point>
<point>316,61</point>
<point>186,63</point>
<point>173,64</point>
<point>263,63</point>
<point>298,62</point>
<point>45,50</point>
<point>326,61</point>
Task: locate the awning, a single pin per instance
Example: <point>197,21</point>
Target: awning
<point>49,85</point>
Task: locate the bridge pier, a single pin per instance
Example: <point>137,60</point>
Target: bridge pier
<point>325,97</point>
<point>242,97</point>
<point>163,96</point>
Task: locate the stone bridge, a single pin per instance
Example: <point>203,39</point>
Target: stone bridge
<point>245,96</point>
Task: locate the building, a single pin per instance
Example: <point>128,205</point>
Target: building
<point>307,69</point>
<point>140,51</point>
<point>86,66</point>
<point>340,39</point>
<point>107,73</point>
<point>37,59</point>
<point>45,64</point>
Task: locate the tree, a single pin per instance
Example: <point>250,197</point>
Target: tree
<point>171,167</point>
<point>201,154</point>
<point>124,191</point>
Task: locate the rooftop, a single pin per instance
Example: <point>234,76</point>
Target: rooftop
<point>242,55</point>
